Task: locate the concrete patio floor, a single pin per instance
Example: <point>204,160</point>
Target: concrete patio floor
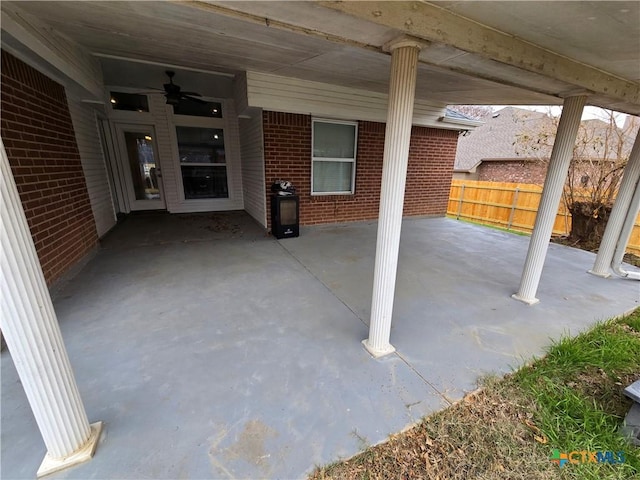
<point>211,350</point>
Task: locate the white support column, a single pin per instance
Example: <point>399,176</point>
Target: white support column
<point>32,333</point>
<point>618,213</point>
<point>552,192</point>
<point>402,86</point>
<point>625,236</point>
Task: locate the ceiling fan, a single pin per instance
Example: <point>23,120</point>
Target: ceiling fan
<point>174,94</point>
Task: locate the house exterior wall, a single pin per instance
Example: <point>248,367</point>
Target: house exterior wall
<point>85,125</point>
<point>161,118</point>
<point>38,135</point>
<point>293,95</point>
<point>516,171</point>
<point>287,153</point>
<point>252,153</point>
<point>432,153</point>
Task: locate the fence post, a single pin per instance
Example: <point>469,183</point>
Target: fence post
<point>460,202</point>
<point>513,208</point>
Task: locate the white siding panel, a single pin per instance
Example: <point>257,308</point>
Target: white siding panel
<point>166,151</point>
<point>252,151</point>
<point>234,159</point>
<point>285,94</point>
<point>93,164</point>
<point>240,92</point>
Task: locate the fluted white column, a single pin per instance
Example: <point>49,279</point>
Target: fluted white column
<point>402,86</point>
<point>625,236</point>
<point>551,193</point>
<point>32,333</point>
<point>618,213</point>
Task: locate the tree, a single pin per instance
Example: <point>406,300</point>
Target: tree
<point>600,154</point>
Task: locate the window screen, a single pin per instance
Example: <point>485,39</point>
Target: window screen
<point>334,157</point>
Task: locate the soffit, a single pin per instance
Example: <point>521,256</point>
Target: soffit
<point>310,41</point>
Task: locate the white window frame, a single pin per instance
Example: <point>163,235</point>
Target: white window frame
<point>328,159</point>
<point>195,121</point>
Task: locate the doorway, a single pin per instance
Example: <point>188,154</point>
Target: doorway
<point>140,167</point>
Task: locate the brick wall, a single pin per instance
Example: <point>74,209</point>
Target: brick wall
<point>287,153</point>
<point>432,153</point>
<point>516,171</point>
<point>38,135</point>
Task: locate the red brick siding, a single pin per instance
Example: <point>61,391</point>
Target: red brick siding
<point>38,135</point>
<point>515,171</point>
<point>287,153</point>
<point>432,153</point>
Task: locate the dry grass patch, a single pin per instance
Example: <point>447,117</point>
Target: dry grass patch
<point>489,435</point>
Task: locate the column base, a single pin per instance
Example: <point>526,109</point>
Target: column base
<point>377,353</point>
<point>52,465</point>
<point>598,274</point>
<point>528,301</point>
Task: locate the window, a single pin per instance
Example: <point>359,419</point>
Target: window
<point>198,109</point>
<point>333,167</point>
<point>132,102</point>
<point>202,162</point>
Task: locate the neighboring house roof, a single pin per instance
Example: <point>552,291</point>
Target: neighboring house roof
<point>495,138</point>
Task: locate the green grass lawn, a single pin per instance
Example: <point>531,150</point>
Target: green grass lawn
<point>569,401</point>
<point>577,389</point>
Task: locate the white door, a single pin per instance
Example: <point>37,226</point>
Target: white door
<point>140,166</point>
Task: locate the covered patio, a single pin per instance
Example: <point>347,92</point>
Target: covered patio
<point>211,353</point>
<point>211,350</point>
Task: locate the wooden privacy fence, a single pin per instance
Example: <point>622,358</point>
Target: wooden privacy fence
<point>512,206</point>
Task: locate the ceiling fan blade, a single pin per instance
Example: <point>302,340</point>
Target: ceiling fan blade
<point>193,94</point>
<point>193,99</point>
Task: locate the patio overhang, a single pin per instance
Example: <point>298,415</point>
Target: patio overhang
<point>450,53</point>
<point>479,52</point>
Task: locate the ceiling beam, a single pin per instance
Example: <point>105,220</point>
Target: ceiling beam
<point>208,6</point>
<point>436,24</point>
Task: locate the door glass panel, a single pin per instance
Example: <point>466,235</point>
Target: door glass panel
<point>143,165</point>
<point>202,162</point>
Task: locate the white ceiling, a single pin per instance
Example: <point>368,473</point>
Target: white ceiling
<point>310,41</point>
<point>599,33</point>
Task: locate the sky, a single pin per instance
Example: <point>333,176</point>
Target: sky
<point>589,112</point>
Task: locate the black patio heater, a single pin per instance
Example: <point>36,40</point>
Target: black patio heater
<point>285,210</point>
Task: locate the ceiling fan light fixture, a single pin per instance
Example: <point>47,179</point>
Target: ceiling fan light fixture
<point>173,99</point>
